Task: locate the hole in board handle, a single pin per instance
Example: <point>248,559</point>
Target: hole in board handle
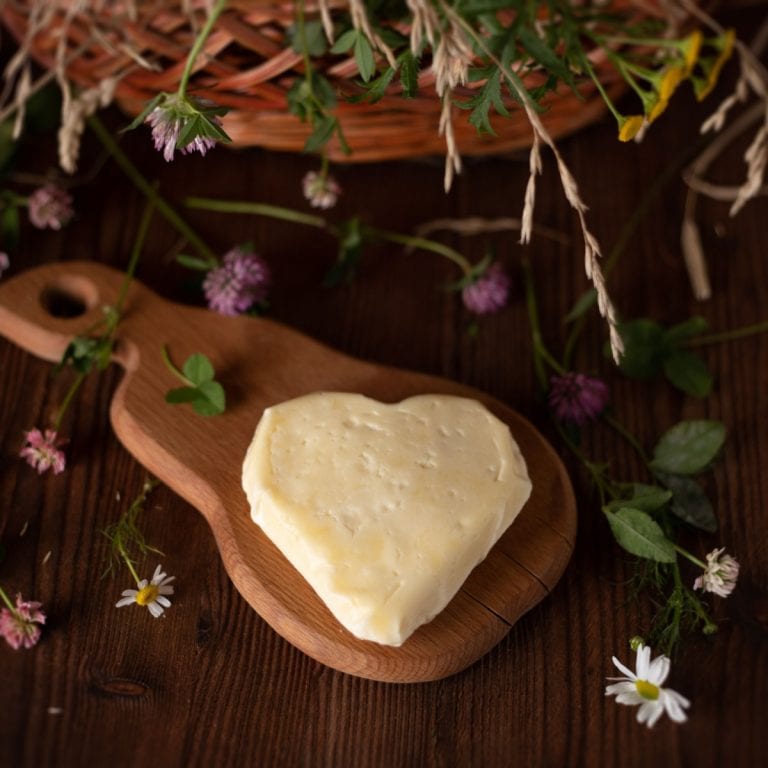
<point>69,296</point>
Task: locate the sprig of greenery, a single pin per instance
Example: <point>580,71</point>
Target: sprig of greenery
<point>201,390</point>
<point>127,542</point>
<point>86,352</point>
<point>646,519</point>
<point>352,235</point>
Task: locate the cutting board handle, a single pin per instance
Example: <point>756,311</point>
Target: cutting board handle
<point>44,308</point>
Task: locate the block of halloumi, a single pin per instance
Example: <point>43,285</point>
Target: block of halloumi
<point>384,508</point>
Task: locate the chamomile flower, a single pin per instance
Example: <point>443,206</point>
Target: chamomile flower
<point>150,594</point>
<point>643,688</point>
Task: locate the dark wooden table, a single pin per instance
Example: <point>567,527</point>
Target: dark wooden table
<point>211,684</point>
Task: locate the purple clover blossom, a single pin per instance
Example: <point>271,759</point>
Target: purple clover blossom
<point>20,627</point>
<point>320,189</point>
<point>42,451</point>
<point>170,117</point>
<point>50,207</point>
<point>241,281</point>
<point>577,399</point>
<point>489,293</point>
<point>5,262</point>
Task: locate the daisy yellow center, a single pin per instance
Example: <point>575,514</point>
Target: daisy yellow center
<point>647,690</point>
<point>147,594</point>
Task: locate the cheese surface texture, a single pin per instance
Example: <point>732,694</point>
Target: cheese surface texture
<point>384,509</point>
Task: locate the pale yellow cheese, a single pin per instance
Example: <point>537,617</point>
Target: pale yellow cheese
<point>384,509</point>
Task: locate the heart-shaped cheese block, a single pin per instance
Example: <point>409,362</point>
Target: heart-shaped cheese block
<point>384,509</point>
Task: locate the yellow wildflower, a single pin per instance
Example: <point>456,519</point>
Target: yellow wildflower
<point>724,44</point>
<point>670,79</point>
<point>657,109</point>
<point>629,127</point>
<point>691,47</point>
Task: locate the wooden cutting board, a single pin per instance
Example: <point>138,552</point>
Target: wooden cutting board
<point>259,363</point>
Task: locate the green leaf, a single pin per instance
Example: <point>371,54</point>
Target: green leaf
<point>488,96</point>
<point>182,395</point>
<point>409,74</point>
<point>377,88</point>
<point>689,447</point>
<point>686,330</point>
<point>647,498</point>
<point>544,55</point>
<point>364,58</point>
<point>583,304</point>
<point>345,41</point>
<point>322,132</point>
<point>688,372</point>
<point>350,250</point>
<point>198,369</point>
<point>643,348</point>
<point>312,41</point>
<point>211,400</point>
<point>9,227</point>
<point>640,535</point>
<point>142,116</point>
<point>195,262</point>
<point>689,502</point>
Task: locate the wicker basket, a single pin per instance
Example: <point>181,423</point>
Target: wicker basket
<point>247,67</point>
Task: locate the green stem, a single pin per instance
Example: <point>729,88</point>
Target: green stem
<point>128,562</point>
<point>412,241</point>
<point>596,80</point>
<point>617,426</point>
<point>173,369</point>
<point>197,47</point>
<point>68,399</point>
<point>533,320</point>
<point>739,333</point>
<point>7,601</point>
<point>148,190</point>
<point>138,244</point>
<point>310,220</point>
<point>257,209</point>
<point>685,553</point>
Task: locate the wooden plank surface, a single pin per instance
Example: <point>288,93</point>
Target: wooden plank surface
<point>212,683</point>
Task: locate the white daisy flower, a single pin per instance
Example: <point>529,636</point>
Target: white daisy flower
<point>151,594</point>
<point>720,573</point>
<point>643,688</point>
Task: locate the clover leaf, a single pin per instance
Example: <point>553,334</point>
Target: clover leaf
<point>650,350</point>
<point>201,390</point>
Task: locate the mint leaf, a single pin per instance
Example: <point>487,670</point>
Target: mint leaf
<point>689,447</point>
<point>637,532</point>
